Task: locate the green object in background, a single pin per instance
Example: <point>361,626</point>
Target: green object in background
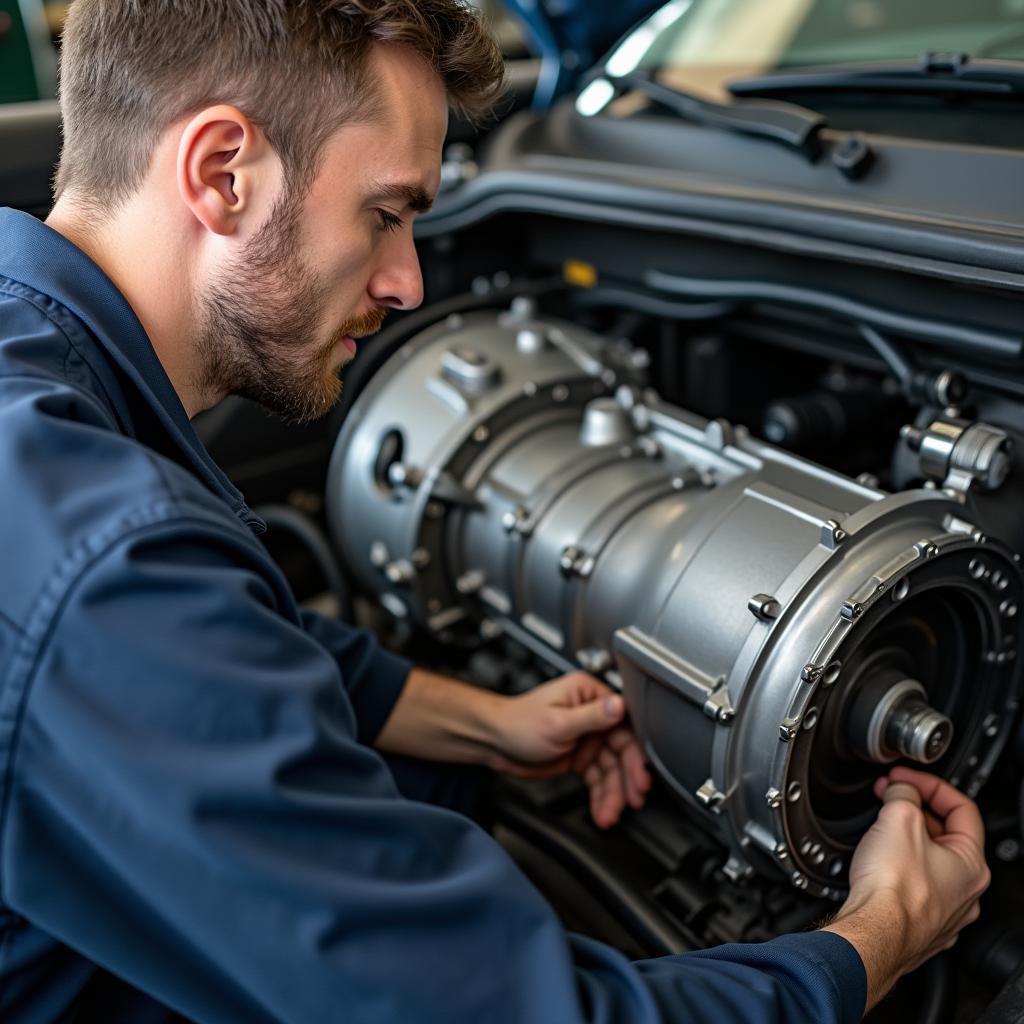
<point>27,58</point>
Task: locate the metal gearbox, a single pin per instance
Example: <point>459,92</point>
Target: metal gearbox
<point>781,632</point>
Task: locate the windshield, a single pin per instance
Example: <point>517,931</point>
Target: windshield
<point>699,45</point>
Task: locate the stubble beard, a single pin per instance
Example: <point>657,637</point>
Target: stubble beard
<point>259,323</point>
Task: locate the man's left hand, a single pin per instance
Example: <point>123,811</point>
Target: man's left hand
<point>575,724</point>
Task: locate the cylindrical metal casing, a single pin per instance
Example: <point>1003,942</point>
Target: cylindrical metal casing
<point>742,597</point>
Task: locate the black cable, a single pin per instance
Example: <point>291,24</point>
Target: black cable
<point>651,304</point>
<point>315,540</point>
<point>654,933</point>
<point>898,364</point>
<point>935,332</point>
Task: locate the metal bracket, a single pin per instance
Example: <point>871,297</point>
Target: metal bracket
<point>640,654</point>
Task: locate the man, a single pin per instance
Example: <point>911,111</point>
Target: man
<point>194,819</point>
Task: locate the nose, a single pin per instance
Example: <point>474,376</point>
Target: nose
<point>398,282</point>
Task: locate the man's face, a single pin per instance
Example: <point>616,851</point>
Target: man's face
<point>278,323</point>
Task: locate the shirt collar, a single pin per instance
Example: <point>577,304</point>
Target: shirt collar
<point>42,259</point>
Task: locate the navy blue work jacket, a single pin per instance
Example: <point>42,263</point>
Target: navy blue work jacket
<point>192,818</point>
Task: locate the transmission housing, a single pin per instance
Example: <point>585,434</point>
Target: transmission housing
<point>782,633</point>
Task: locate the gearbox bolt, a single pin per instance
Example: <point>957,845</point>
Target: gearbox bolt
<point>764,607</point>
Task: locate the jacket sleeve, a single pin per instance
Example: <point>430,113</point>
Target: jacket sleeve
<point>372,677</point>
<point>188,806</point>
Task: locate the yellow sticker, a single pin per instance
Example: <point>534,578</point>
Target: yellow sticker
<point>580,274</point>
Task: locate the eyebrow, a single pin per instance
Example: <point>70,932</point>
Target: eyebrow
<point>413,196</point>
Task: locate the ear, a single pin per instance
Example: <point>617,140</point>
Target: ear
<point>225,169</point>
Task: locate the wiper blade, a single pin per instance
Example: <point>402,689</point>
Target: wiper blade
<point>932,73</point>
<point>795,127</point>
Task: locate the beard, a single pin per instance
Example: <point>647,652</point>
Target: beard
<point>259,322</point>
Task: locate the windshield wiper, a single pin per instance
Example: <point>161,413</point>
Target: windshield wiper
<point>932,73</point>
<point>797,128</point>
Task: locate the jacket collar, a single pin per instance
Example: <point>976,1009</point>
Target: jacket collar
<point>44,260</point>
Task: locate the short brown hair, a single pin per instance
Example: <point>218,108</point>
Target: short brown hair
<point>297,68</point>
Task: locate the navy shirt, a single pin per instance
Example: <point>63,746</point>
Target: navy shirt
<point>192,820</point>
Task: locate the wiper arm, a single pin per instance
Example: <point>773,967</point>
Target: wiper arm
<point>934,73</point>
<point>795,127</point>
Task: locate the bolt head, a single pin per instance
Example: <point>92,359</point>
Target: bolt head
<point>1007,850</point>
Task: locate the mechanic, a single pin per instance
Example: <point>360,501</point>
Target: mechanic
<point>197,818</point>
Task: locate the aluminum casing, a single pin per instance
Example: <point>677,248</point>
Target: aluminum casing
<point>734,591</point>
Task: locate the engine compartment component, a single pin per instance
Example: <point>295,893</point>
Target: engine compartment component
<point>960,453</point>
<point>781,633</point>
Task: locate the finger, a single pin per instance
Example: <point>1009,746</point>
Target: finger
<point>594,779</point>
<point>636,773</point>
<point>580,688</point>
<point>624,743</point>
<point>604,805</point>
<point>596,715</point>
<point>568,691</point>
<point>620,738</point>
<point>614,799</point>
<point>586,752</point>
<point>933,825</point>
<point>880,785</point>
<point>631,795</point>
<point>901,791</point>
<point>959,812</point>
<point>619,741</point>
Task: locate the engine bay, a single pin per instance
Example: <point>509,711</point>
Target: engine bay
<point>516,490</point>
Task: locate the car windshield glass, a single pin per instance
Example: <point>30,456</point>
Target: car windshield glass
<point>698,46</point>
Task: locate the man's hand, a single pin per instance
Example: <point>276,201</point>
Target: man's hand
<point>915,878</point>
<point>575,724</point>
<point>571,724</point>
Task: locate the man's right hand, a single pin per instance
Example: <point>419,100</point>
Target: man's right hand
<point>915,878</point>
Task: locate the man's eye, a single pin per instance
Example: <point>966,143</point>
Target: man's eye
<point>389,221</point>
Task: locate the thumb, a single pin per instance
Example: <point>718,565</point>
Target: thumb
<point>902,791</point>
<point>594,716</point>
